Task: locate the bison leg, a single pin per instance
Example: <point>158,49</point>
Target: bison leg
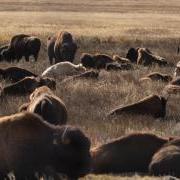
<point>27,58</point>
<point>36,57</point>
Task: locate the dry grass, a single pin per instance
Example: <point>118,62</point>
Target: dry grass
<point>108,27</point>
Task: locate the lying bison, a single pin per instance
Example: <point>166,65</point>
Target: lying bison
<point>61,47</point>
<point>22,45</point>
<point>118,66</point>
<point>27,86</point>
<point>44,103</point>
<point>153,105</point>
<point>63,69</point>
<point>98,61</point>
<point>156,76</point>
<point>15,73</point>
<point>130,153</point>
<point>166,161</point>
<point>146,58</point>
<point>29,145</point>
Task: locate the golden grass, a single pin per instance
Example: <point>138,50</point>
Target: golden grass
<point>106,26</point>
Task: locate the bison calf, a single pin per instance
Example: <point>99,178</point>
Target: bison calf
<point>130,153</point>
<point>47,105</point>
<point>29,145</point>
<point>153,105</point>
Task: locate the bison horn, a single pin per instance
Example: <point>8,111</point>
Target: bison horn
<point>64,139</point>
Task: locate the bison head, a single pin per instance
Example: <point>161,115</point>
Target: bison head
<point>132,55</point>
<point>49,82</point>
<point>87,61</point>
<point>71,152</point>
<point>8,54</point>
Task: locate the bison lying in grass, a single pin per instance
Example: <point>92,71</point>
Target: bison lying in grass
<point>15,73</point>
<point>47,105</point>
<point>167,160</point>
<point>27,86</point>
<point>130,153</point>
<point>29,145</point>
<point>153,105</point>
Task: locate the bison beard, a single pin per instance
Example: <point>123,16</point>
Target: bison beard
<point>29,145</point>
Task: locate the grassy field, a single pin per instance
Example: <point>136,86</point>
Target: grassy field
<point>105,26</point>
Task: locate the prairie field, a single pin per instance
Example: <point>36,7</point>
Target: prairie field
<point>103,26</point>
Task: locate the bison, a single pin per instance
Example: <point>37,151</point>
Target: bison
<point>15,73</point>
<point>61,47</point>
<point>29,145</point>
<point>166,161</point>
<point>152,105</point>
<point>146,58</point>
<point>118,66</point>
<point>22,45</point>
<point>129,153</point>
<point>98,61</point>
<point>132,55</point>
<point>156,76</point>
<point>51,108</point>
<point>63,69</point>
<point>27,86</point>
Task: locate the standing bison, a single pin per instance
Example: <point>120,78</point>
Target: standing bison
<point>47,105</point>
<point>61,47</point>
<point>29,145</point>
<point>22,45</point>
<point>130,153</point>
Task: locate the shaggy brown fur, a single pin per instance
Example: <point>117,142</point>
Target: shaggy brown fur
<point>153,105</point>
<point>167,160</point>
<point>98,61</point>
<point>22,45</point>
<point>130,153</point>
<point>15,73</point>
<point>27,86</point>
<point>61,47</point>
<point>44,103</point>
<point>28,145</point>
<point>146,58</point>
<point>156,76</point>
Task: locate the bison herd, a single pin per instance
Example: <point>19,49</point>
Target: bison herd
<point>36,142</point>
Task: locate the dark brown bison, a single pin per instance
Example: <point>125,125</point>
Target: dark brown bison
<point>22,45</point>
<point>44,103</point>
<point>15,73</point>
<point>29,145</point>
<point>130,153</point>
<point>27,86</point>
<point>156,76</point>
<point>132,55</point>
<point>98,61</point>
<point>152,105</point>
<point>146,58</point>
<point>166,161</point>
<point>61,47</point>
